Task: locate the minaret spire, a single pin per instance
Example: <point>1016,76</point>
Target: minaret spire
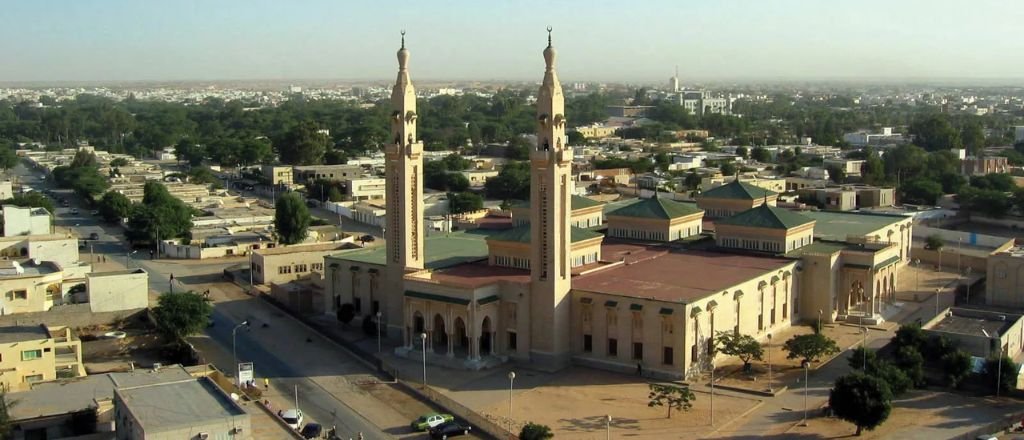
<point>550,234</point>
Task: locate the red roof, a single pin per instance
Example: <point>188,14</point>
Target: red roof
<point>673,275</point>
<point>473,275</point>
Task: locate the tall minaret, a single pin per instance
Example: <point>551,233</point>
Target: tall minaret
<point>550,192</point>
<point>404,188</point>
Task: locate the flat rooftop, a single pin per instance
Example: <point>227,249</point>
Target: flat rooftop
<point>478,274</point>
<point>173,405</point>
<point>70,395</point>
<point>299,248</point>
<point>675,275</point>
<point>973,325</point>
<point>838,225</point>
<point>114,273</point>
<point>442,250</point>
<point>22,333</point>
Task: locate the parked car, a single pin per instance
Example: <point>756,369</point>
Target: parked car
<point>428,421</point>
<point>311,430</point>
<point>367,238</point>
<point>449,430</point>
<point>74,211</point>
<point>94,236</point>
<point>94,212</point>
<point>292,418</point>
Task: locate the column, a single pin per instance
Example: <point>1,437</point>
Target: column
<point>451,346</point>
<point>491,335</point>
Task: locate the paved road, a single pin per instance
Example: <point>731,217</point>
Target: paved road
<point>279,351</point>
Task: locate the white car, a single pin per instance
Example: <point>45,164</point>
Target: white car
<point>292,418</point>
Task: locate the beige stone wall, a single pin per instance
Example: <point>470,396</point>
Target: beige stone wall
<point>359,284</point>
<point>763,239</point>
<point>1005,285</point>
<point>517,255</point>
<point>720,208</point>
<point>689,326</point>
<point>118,291</point>
<point>27,294</point>
<point>18,369</point>
<point>654,229</point>
<point>280,268</point>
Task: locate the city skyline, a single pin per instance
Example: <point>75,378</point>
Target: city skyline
<point>786,40</point>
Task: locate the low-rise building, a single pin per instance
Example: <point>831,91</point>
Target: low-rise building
<point>6,189</point>
<point>849,166</point>
<point>365,188</point>
<point>477,178</point>
<point>116,291</point>
<point>25,221</point>
<point>765,228</point>
<point>775,184</point>
<point>733,198</point>
<point>980,166</point>
<point>307,174</point>
<point>189,409</point>
<point>980,333</point>
<point>586,213</point>
<point>46,409</point>
<point>596,131</point>
<point>280,175</point>
<point>655,219</point>
<point>864,138</point>
<point>35,353</point>
<point>283,264</point>
<point>1005,278</point>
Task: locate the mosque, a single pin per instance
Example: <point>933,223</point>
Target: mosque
<point>654,290</point>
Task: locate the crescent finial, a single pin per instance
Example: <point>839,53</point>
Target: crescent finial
<point>403,38</point>
<point>549,36</point>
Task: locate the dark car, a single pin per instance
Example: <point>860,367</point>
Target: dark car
<point>367,238</point>
<point>449,430</point>
<point>94,236</point>
<point>311,430</point>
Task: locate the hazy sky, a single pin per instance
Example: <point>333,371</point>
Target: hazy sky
<point>639,40</point>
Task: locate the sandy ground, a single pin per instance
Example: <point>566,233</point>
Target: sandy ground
<point>590,395</point>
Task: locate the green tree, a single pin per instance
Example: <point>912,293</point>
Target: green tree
<point>862,400</point>
<point>742,152</point>
<point>335,195</point>
<point>692,180</point>
<point>512,183</point>
<point>455,162</point>
<point>114,207</point>
<point>760,154</point>
<point>893,376</point>
<point>6,404</point>
<point>921,191</point>
<point>575,138</point>
<point>910,360</point>
<point>303,144</point>
<point>811,347</point>
<point>934,132</point>
<point>909,335</point>
<point>535,431</point>
<point>727,169</point>
<point>31,200</point>
<point>464,202</point>
<point>973,137</point>
<point>181,314</point>
<point>857,360</point>
<point>8,158</point>
<point>1004,377</point>
<point>119,162</point>
<point>956,366</point>
<point>291,218</point>
<point>934,242</point>
<point>743,346</point>
<point>203,175</point>
<point>670,396</point>
<point>836,174</point>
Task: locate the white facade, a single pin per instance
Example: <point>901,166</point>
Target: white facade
<point>6,190</point>
<point>25,221</point>
<point>366,188</point>
<point>116,291</point>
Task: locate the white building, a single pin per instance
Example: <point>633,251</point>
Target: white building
<point>25,221</point>
<point>365,188</point>
<point>864,138</point>
<point>6,190</point>
<point>119,290</point>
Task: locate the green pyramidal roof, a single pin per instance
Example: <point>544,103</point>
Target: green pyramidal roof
<point>765,216</point>
<point>658,208</point>
<point>576,202</point>
<point>737,190</point>
<point>521,234</point>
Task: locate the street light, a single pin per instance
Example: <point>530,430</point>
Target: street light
<point>819,320</point>
<point>770,363</point>
<point>937,301</point>
<point>234,352</point>
<point>378,331</point>
<point>608,427</point>
<point>968,276</point>
<point>917,275</point>
<point>999,361</point>
<point>128,259</point>
<point>807,367</point>
<point>423,339</point>
<point>864,348</point>
<point>511,379</point>
<point>712,392</point>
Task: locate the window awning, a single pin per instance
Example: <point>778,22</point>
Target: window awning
<point>636,307</point>
<point>611,303</point>
<point>666,311</point>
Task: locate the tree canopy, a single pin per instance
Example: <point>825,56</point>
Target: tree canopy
<point>862,400</point>
<point>810,347</point>
<point>181,314</point>
<point>291,218</point>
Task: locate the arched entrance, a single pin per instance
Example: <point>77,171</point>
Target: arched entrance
<point>440,336</point>
<point>461,338</point>
<point>418,324</point>
<point>486,334</point>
